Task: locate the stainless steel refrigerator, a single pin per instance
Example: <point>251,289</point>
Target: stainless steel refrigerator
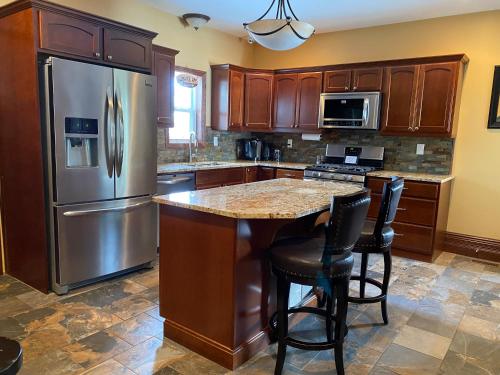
<point>101,170</point>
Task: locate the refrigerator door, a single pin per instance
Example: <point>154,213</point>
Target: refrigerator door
<point>83,131</point>
<point>136,145</point>
<point>98,239</point>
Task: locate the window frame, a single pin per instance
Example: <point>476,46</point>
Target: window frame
<point>200,109</point>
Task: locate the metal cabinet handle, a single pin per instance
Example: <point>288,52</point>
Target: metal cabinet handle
<point>347,88</point>
<point>401,209</point>
<point>355,88</point>
<point>97,54</point>
<point>110,57</point>
<point>398,235</point>
<point>105,210</point>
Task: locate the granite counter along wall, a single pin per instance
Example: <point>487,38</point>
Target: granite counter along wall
<point>399,151</point>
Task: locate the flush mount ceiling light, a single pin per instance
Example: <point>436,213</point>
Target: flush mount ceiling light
<point>195,20</point>
<point>281,33</point>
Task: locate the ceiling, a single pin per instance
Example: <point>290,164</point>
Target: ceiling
<point>325,15</point>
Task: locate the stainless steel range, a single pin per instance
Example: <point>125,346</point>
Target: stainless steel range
<point>347,163</point>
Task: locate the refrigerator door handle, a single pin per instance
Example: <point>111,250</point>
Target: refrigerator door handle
<point>119,136</point>
<point>106,210</point>
<point>109,132</point>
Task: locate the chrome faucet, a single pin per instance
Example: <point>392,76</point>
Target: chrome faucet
<point>192,142</point>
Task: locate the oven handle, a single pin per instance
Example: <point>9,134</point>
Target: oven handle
<point>366,111</point>
<point>106,210</point>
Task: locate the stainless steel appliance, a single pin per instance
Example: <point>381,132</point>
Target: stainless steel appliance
<point>101,170</point>
<point>350,110</point>
<point>173,183</point>
<point>347,163</point>
<point>249,149</point>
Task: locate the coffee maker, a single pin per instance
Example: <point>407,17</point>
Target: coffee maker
<point>249,149</point>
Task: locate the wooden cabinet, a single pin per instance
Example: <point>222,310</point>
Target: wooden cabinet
<point>125,48</point>
<point>367,79</point>
<point>399,99</point>
<point>258,101</point>
<point>207,179</point>
<point>70,33</point>
<point>228,90</point>
<point>61,33</point>
<point>266,173</point>
<point>420,99</point>
<point>289,173</point>
<point>285,100</point>
<point>308,95</point>
<point>421,218</point>
<point>296,100</point>
<point>164,70</point>
<point>251,174</point>
<point>337,81</point>
<point>362,79</point>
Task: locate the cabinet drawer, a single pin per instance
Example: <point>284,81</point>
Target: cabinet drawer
<point>423,190</point>
<point>414,238</point>
<point>219,177</point>
<point>265,173</point>
<point>289,173</point>
<point>410,210</point>
<point>251,174</point>
<point>129,49</point>
<point>69,35</point>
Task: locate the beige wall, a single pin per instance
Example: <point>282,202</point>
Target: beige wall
<point>475,202</point>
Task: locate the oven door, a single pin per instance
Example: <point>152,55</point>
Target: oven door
<point>350,110</point>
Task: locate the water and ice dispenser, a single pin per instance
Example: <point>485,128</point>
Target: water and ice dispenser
<point>81,138</point>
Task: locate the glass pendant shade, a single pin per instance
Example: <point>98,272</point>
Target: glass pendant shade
<point>281,33</point>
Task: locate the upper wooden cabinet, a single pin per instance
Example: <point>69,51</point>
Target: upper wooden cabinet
<point>308,95</point>
<point>296,100</point>
<point>285,100</point>
<point>421,99</point>
<point>337,81</point>
<point>70,33</point>
<point>228,97</point>
<point>60,33</point>
<point>362,79</point>
<point>258,101</point>
<point>121,47</point>
<point>164,70</point>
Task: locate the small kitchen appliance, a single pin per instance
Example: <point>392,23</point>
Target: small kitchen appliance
<point>249,149</point>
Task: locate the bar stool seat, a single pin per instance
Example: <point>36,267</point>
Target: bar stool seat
<point>370,243</point>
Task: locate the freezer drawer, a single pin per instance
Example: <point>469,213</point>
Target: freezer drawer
<point>98,239</point>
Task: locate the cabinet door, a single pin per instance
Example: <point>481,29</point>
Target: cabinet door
<point>129,49</point>
<point>436,94</point>
<point>258,95</point>
<point>69,35</point>
<point>285,100</point>
<point>308,95</point>
<point>400,89</point>
<point>290,173</point>
<point>368,79</point>
<point>251,174</point>
<point>337,81</point>
<point>236,98</point>
<point>265,173</point>
<point>164,70</point>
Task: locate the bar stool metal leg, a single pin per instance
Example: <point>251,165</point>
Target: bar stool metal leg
<point>362,276</point>
<point>282,318</point>
<point>385,283</point>
<point>341,292</point>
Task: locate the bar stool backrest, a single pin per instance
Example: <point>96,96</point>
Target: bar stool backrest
<point>391,195</point>
<point>347,216</point>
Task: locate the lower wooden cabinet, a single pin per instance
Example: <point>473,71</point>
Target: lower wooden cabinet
<point>265,173</point>
<point>251,174</point>
<point>289,173</point>
<point>421,219</point>
<point>212,178</point>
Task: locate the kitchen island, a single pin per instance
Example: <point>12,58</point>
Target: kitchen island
<point>216,291</point>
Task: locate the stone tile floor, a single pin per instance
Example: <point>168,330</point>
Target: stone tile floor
<point>444,319</point>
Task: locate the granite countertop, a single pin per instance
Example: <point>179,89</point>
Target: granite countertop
<point>197,166</point>
<point>413,176</point>
<point>282,198</point>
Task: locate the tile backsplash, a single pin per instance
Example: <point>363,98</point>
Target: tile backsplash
<point>400,152</point>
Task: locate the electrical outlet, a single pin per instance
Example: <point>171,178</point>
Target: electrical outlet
<point>420,149</point>
<point>289,144</point>
<point>216,141</point>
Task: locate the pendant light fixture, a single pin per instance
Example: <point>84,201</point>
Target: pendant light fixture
<point>283,32</point>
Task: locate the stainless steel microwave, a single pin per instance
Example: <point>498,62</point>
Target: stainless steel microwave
<point>350,110</point>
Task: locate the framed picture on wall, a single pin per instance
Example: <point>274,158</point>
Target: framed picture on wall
<point>494,118</point>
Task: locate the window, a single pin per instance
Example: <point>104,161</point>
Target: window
<point>189,104</point>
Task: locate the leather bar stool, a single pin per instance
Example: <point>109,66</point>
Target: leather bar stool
<point>325,261</point>
<point>376,238</point>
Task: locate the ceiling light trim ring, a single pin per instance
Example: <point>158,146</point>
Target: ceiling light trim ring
<point>276,30</point>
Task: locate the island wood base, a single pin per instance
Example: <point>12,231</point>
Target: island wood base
<point>216,288</point>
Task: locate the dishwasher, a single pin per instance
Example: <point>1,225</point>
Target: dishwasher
<point>172,183</point>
